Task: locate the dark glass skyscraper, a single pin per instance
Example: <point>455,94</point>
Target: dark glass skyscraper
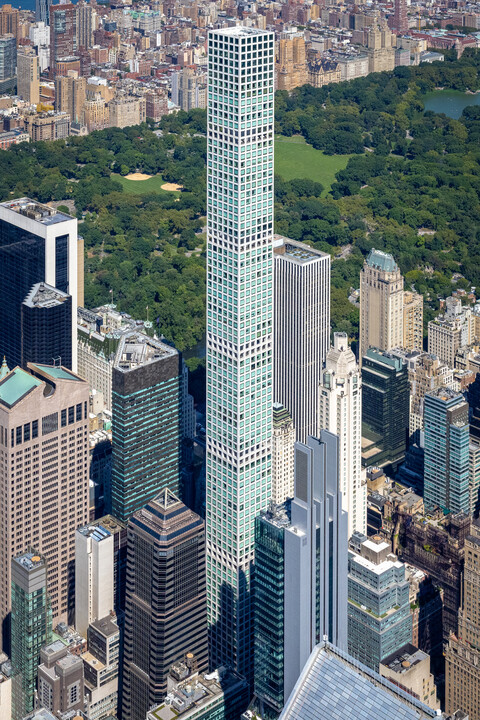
<point>166,611</point>
<point>146,432</point>
<point>37,244</point>
<point>385,408</point>
<point>46,327</point>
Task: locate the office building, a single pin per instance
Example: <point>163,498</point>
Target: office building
<point>301,330</point>
<point>37,244</point>
<point>43,476</point>
<point>409,668</point>
<point>60,680</point>
<point>283,452</point>
<point>5,688</point>
<point>93,575</point>
<point>63,33</point>
<point>381,303</point>
<point>447,441</point>
<point>28,75</point>
<point>70,95</point>
<point>46,327</point>
<point>146,417</point>
<point>412,321</point>
<point>379,619</point>
<point>118,530</point>
<point>333,684</point>
<point>101,668</point>
<point>385,409</point>
<point>220,695</point>
<point>31,626</point>
<point>340,411</point>
<point>165,615</point>
<point>450,331</point>
<point>462,659</point>
<point>425,373</point>
<point>301,573</point>
<point>239,330</point>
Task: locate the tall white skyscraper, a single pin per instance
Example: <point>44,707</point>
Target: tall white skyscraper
<point>93,575</point>
<point>301,330</point>
<point>239,327</point>
<point>340,412</point>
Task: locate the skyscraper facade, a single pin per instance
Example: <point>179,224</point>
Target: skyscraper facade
<point>63,33</point>
<point>381,303</point>
<point>165,615</point>
<point>400,20</point>
<point>31,628</point>
<point>46,327</point>
<point>42,11</point>
<point>37,244</point>
<point>340,408</point>
<point>28,75</point>
<point>44,478</point>
<point>239,327</point>
<point>93,576</point>
<point>385,408</point>
<point>447,441</point>
<point>8,61</point>
<point>301,330</point>
<point>146,422</point>
<point>283,453</point>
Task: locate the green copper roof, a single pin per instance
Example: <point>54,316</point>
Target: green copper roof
<point>16,385</point>
<point>381,261</point>
<point>57,373</point>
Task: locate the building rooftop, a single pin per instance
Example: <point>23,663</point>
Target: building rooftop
<point>55,372</point>
<point>166,518</point>
<point>42,295</point>
<point>381,261</point>
<point>241,31</point>
<point>334,685</point>
<point>96,532</point>
<point>402,660</point>
<point>34,210</point>
<point>281,416</point>
<point>296,251</point>
<point>15,385</point>
<point>30,561</point>
<point>136,349</point>
<point>105,626</point>
<point>111,523</point>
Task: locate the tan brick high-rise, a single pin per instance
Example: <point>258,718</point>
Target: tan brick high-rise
<point>44,475</point>
<point>28,75</point>
<point>462,659</point>
<point>381,303</point>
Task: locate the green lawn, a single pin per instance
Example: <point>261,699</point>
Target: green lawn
<point>153,184</point>
<point>295,159</point>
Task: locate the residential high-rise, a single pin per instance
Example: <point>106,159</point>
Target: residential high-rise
<point>31,625</point>
<point>118,529</point>
<point>412,320</point>
<point>425,373</point>
<point>385,408</point>
<point>43,476</point>
<point>9,20</point>
<point>301,330</point>
<point>70,95</point>
<point>63,33</point>
<point>239,327</point>
<point>400,20</point>
<point>165,613</point>
<point>42,11</point>
<point>381,303</point>
<point>340,409</point>
<point>37,244</point>
<point>462,659</point>
<point>447,441</point>
<point>85,25</point>
<point>93,576</point>
<point>189,89</point>
<point>283,452</point>
<point>46,327</point>
<point>450,331</point>
<point>28,74</point>
<point>146,418</point>
<point>379,619</point>
<point>8,62</point>
<point>300,573</point>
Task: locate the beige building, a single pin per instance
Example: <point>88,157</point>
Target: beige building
<point>96,115</point>
<point>126,111</point>
<point>425,373</point>
<point>323,71</point>
<point>412,321</point>
<point>44,475</point>
<point>70,95</point>
<point>48,126</point>
<point>28,75</point>
<point>380,51</point>
<point>352,66</point>
<point>450,331</point>
<point>409,669</point>
<point>462,659</point>
<point>381,303</point>
<point>283,450</point>
<point>189,89</point>
<point>291,65</point>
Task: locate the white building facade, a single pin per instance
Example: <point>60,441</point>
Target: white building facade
<point>239,327</point>
<point>93,576</point>
<point>340,412</point>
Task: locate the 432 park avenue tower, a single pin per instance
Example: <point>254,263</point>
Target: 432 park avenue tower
<point>239,327</point>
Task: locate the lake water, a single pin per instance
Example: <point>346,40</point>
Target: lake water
<point>450,102</point>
